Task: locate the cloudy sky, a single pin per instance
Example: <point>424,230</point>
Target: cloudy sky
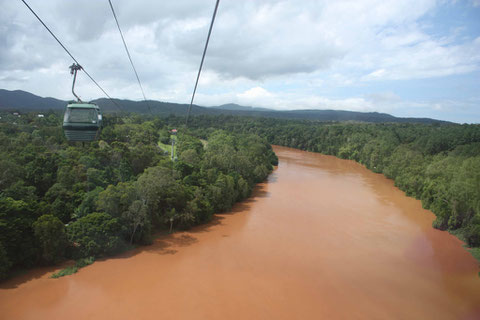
<point>415,58</point>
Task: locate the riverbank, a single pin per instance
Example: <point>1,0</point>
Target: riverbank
<point>322,238</point>
<point>437,164</point>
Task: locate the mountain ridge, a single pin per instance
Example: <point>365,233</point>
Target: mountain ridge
<point>19,100</point>
<point>237,107</point>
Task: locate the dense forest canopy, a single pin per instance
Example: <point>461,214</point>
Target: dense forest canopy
<point>63,200</point>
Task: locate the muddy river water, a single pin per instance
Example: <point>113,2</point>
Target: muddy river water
<point>323,238</point>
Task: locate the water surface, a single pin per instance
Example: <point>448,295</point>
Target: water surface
<point>323,238</point>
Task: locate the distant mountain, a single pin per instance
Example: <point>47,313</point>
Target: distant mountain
<point>19,100</point>
<point>24,101</point>
<point>237,107</point>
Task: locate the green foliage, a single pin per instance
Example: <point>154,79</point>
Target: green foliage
<point>10,171</point>
<point>50,234</point>
<point>16,232</point>
<point>84,262</point>
<point>65,272</point>
<point>243,189</point>
<point>436,163</point>
<point>96,234</point>
<point>136,218</point>
<point>62,201</point>
<point>223,193</point>
<point>200,207</point>
<point>161,190</point>
<point>116,199</point>
<point>80,263</point>
<point>5,263</point>
<point>472,233</point>
<point>118,190</point>
<point>88,204</point>
<point>189,143</point>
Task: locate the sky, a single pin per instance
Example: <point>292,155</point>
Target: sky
<point>408,58</point>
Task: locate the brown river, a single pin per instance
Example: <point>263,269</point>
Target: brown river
<point>323,238</point>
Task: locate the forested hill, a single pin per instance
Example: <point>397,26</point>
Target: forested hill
<point>24,101</point>
<point>234,106</point>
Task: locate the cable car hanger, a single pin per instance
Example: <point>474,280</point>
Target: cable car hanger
<point>73,70</point>
<point>71,56</point>
<point>82,121</point>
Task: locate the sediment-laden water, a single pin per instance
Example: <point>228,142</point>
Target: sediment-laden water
<point>323,238</point>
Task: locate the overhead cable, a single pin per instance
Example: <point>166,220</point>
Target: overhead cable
<point>66,50</point>
<point>203,58</point>
<point>128,54</point>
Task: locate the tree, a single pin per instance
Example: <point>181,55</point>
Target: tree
<point>160,190</point>
<point>5,263</point>
<point>199,207</point>
<point>260,172</point>
<point>88,204</point>
<point>115,200</point>
<point>16,233</point>
<point>223,193</point>
<point>62,201</point>
<point>50,233</point>
<point>190,157</point>
<point>96,234</point>
<point>143,156</point>
<point>9,173</point>
<point>243,189</point>
<point>136,217</point>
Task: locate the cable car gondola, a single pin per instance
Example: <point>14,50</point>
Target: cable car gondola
<point>82,121</point>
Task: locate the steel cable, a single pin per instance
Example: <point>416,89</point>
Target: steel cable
<point>71,56</point>
<point>203,58</point>
<point>128,54</point>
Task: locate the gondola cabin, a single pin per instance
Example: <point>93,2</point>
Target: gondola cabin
<point>82,121</point>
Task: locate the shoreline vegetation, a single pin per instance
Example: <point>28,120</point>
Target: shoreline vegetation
<point>72,201</point>
<point>80,263</point>
<point>438,164</point>
<point>61,201</point>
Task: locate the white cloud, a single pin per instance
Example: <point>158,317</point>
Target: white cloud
<point>409,58</point>
<point>255,93</point>
<point>272,53</point>
<point>376,74</point>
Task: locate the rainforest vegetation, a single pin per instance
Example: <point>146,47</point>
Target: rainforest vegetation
<point>61,200</point>
<point>436,163</point>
